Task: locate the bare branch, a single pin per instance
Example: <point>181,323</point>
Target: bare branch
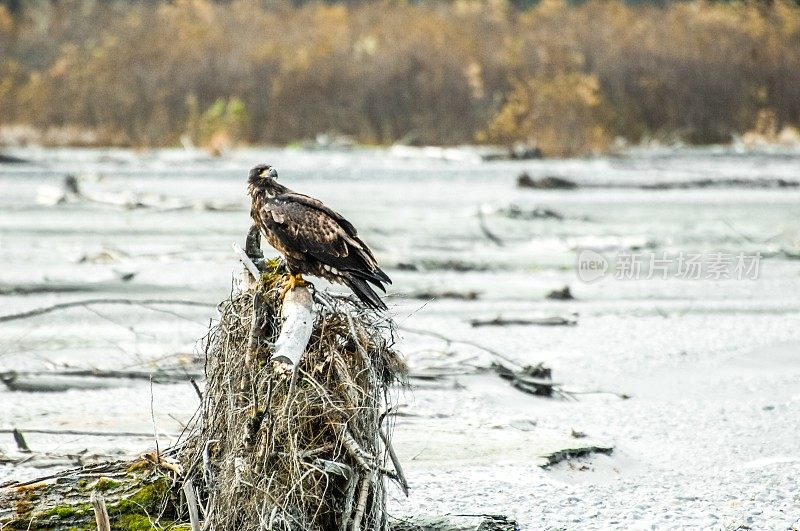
<point>446,339</point>
<point>486,232</point>
<point>401,477</point>
<point>248,263</point>
<point>89,302</point>
<point>191,502</point>
<point>100,511</point>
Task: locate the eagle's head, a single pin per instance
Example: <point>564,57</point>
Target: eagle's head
<point>262,180</point>
<point>262,172</point>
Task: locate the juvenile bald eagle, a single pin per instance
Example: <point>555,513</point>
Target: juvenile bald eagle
<point>313,239</point>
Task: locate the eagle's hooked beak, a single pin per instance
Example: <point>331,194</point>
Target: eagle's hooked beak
<point>262,172</point>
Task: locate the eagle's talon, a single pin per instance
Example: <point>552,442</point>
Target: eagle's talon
<point>291,282</point>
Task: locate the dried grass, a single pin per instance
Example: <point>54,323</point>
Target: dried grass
<point>303,449</point>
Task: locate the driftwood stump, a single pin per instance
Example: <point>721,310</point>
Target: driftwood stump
<point>292,432</point>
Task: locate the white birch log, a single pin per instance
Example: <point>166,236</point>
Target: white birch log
<point>298,315</point>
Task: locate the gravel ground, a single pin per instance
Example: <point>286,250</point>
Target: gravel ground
<point>707,440</point>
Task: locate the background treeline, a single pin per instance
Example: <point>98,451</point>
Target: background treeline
<point>568,77</point>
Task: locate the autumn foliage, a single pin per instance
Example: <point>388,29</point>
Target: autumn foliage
<point>566,77</point>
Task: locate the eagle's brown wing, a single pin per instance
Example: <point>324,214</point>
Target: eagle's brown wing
<point>348,227</point>
<point>307,227</point>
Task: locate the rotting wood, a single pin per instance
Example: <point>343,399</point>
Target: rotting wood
<point>459,266</point>
<point>49,460</point>
<point>516,212</point>
<point>37,288</point>
<point>449,340</point>
<point>549,182</point>
<point>92,433</point>
<point>491,236</point>
<point>19,439</point>
<point>480,522</point>
<point>8,159</point>
<point>135,492</point>
<point>563,294</point>
<point>532,379</point>
<point>445,294</point>
<point>70,192</point>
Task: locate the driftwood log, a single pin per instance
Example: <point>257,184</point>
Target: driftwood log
<point>58,381</point>
<point>137,495</point>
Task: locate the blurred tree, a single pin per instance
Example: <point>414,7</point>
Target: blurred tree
<point>433,72</point>
<point>563,115</point>
<point>13,6</point>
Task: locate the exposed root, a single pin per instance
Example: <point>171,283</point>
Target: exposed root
<point>294,449</point>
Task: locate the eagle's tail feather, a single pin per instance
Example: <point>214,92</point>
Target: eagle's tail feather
<point>372,279</point>
<point>369,269</point>
<point>364,292</point>
<point>382,276</point>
